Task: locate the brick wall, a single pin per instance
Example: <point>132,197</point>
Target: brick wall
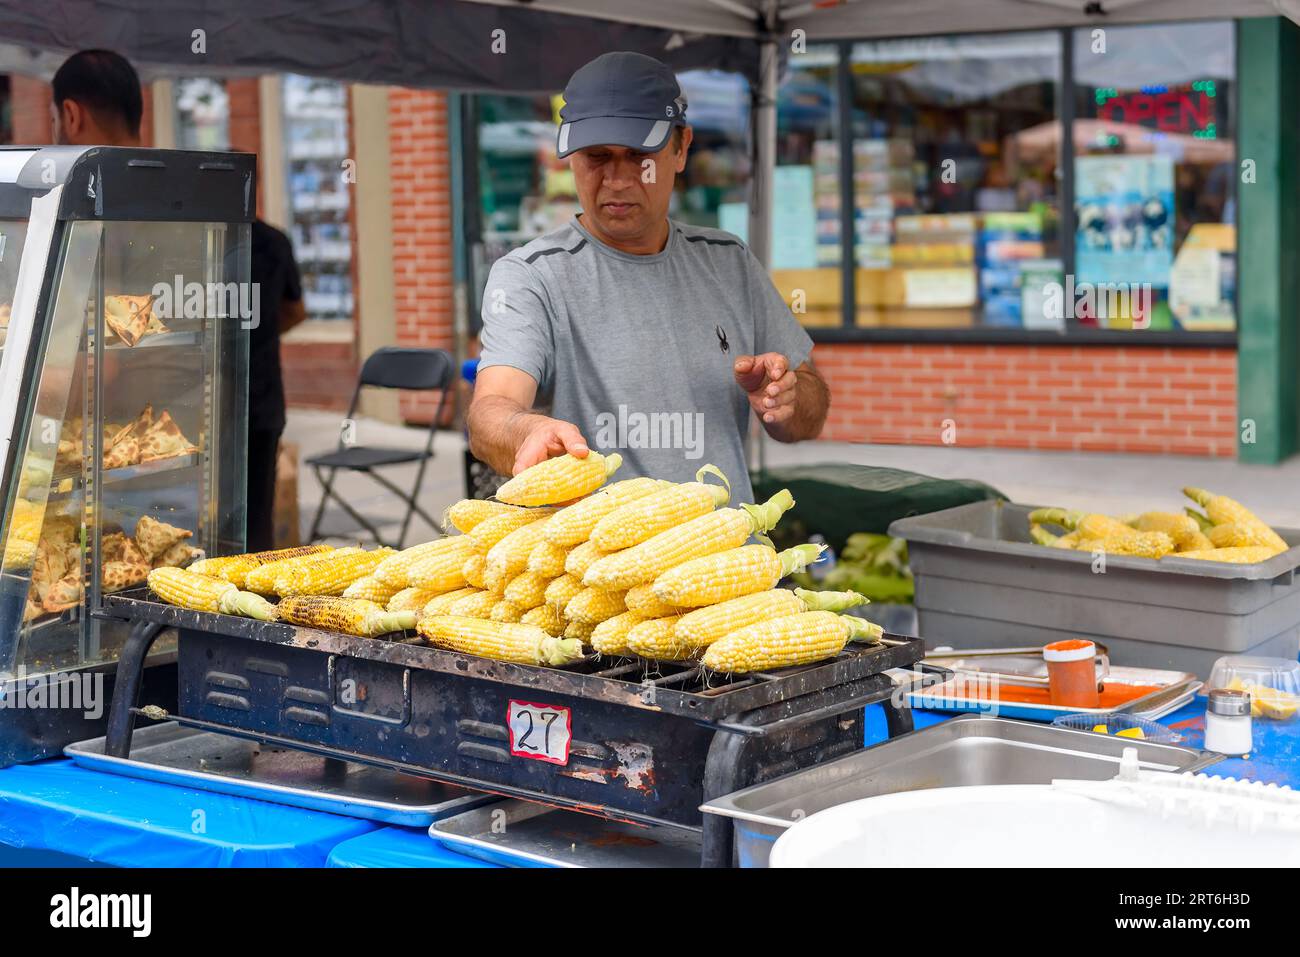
<point>1115,399</point>
<point>30,104</point>
<point>422,223</point>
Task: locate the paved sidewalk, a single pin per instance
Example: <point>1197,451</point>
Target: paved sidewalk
<point>1096,481</point>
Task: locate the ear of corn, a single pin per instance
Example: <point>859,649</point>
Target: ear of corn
<point>490,531</point>
<point>262,579</point>
<point>1183,529</point>
<point>233,568</point>
<point>506,611</point>
<point>1233,535</point>
<point>331,575</point>
<point>657,638</point>
<point>415,598</point>
<point>1200,519</point>
<point>1139,544</point>
<point>371,589</point>
<point>713,532</point>
<point>581,630</point>
<point>1041,536</point>
<point>511,553</point>
<point>547,559</point>
<point>573,524</point>
<point>642,519</point>
<point>730,574</point>
<point>581,557</point>
<point>527,590</point>
<point>594,605</point>
<point>1093,525</point>
<point>609,637</point>
<point>559,591</point>
<point>560,479</point>
<point>473,569</point>
<point>477,605</point>
<point>395,569</point>
<point>442,569</point>
<point>469,513</point>
<point>546,618</point>
<point>641,599</point>
<point>701,627</point>
<point>783,642</point>
<point>1223,510</point>
<point>504,641</point>
<point>439,604</point>
<point>187,589</point>
<point>1243,555</point>
<point>352,616</point>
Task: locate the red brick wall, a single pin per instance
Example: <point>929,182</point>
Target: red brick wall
<point>1093,398</point>
<point>30,102</point>
<point>422,221</point>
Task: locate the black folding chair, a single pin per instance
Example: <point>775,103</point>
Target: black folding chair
<point>412,370</point>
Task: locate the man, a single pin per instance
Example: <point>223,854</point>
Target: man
<point>97,102</point>
<point>648,336</point>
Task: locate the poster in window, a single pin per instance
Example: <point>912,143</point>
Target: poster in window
<point>1124,214</point>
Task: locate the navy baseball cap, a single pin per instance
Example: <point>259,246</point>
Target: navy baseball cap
<point>620,99</point>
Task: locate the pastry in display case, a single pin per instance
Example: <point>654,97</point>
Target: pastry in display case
<point>124,277</point>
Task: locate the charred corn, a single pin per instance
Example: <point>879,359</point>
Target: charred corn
<point>716,531</point>
<point>187,589</point>
<point>329,576</point>
<point>1226,511</point>
<point>730,574</point>
<point>573,524</point>
<point>645,517</point>
<point>517,642</point>
<point>594,605</point>
<point>490,531</point>
<point>1139,544</point>
<point>560,479</point>
<point>656,638</point>
<point>547,559</point>
<point>546,618</point>
<point>703,626</point>
<point>527,590</point>
<point>233,568</point>
<point>352,616</point>
<point>610,636</point>
<point>439,604</point>
<point>1241,555</point>
<point>262,579</point>
<point>792,640</point>
<point>559,591</point>
<point>641,599</point>
<point>469,513</point>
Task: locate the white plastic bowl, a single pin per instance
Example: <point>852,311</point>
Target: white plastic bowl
<point>1023,825</point>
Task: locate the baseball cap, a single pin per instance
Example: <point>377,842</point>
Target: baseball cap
<point>620,99</point>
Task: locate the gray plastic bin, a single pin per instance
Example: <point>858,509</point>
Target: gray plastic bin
<point>980,583</point>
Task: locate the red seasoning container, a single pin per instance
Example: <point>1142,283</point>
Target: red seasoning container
<point>1072,673</point>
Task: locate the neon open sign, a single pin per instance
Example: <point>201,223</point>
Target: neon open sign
<point>1182,108</point>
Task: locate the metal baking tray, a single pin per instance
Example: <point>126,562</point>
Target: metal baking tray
<point>527,834</point>
<point>1026,666</point>
<point>968,750</point>
<point>173,754</point>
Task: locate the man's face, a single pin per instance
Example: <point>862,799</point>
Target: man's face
<point>626,192</point>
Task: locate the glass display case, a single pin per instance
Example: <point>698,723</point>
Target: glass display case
<point>124,283</point>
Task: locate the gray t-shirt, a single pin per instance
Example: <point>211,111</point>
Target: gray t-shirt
<point>638,351</point>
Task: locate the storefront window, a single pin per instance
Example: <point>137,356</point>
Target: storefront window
<point>316,150</point>
<point>1154,145</point>
<point>202,114</point>
<point>955,153</point>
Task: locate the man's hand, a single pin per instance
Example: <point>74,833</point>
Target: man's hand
<point>546,438</point>
<point>770,385</point>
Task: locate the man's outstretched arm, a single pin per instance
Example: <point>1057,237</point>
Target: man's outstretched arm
<point>505,433</point>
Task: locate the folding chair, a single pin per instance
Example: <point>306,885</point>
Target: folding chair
<point>411,370</point>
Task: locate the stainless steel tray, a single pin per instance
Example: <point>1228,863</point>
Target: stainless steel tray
<point>174,754</point>
<point>967,750</point>
<point>526,834</point>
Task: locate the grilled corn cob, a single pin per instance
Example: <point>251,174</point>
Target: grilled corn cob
<point>792,640</point>
<point>730,574</point>
<point>487,533</point>
<point>1226,511</point>
<point>594,605</point>
<point>561,590</point>
<point>547,559</point>
<point>506,611</point>
<point>579,629</point>
<point>573,524</point>
<point>546,618</point>
<point>371,589</point>
<point>1240,555</point>
<point>329,576</point>
<point>703,626</point>
<point>439,604</point>
<point>581,557</point>
<point>442,569</point>
<point>262,578</point>
<point>468,513</point>
<point>645,517</point>
<point>415,597</point>
<point>352,616</point>
<point>187,589</point>
<point>641,599</point>
<point>509,556</point>
<point>477,605</point>
<point>1093,525</point>
<point>713,532</point>
<point>1139,544</point>
<point>395,569</point>
<point>233,568</point>
<point>610,636</point>
<point>561,479</point>
<point>520,643</point>
<point>473,569</point>
<point>527,590</point>
<point>656,638</point>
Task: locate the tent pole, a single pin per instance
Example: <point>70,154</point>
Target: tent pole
<point>763,127</point>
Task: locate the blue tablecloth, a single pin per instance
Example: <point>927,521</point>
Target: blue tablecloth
<point>60,813</point>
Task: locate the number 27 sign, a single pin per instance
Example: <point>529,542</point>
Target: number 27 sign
<point>539,731</point>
